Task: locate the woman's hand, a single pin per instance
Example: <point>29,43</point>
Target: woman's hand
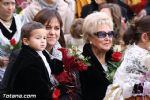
<point>4,61</point>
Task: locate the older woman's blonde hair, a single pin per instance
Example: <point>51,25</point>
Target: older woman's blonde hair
<point>93,21</point>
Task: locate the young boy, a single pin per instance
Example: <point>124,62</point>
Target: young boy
<point>31,72</point>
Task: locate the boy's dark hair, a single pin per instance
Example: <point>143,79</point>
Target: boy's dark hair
<point>29,27</point>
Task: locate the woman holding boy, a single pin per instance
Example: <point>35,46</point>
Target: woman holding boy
<point>31,72</point>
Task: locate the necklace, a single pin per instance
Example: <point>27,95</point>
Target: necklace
<point>6,23</point>
<point>6,19</point>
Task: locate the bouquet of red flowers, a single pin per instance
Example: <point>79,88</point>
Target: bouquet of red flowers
<point>73,61</point>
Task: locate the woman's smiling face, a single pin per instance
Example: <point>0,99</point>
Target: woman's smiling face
<point>54,31</point>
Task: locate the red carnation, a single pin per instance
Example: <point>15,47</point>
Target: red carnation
<point>64,52</point>
<point>13,42</point>
<point>116,56</point>
<point>64,77</point>
<point>56,94</point>
<point>72,62</point>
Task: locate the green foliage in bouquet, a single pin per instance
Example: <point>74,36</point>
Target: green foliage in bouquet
<point>18,9</point>
<point>113,65</point>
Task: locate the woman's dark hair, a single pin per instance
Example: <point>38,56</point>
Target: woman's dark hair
<point>45,16</point>
<point>137,27</point>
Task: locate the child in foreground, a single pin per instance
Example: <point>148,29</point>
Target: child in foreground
<point>31,72</point>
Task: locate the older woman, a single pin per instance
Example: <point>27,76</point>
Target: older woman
<point>98,32</point>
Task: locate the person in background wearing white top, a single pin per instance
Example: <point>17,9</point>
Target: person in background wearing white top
<point>76,36</point>
<point>31,72</point>
<point>10,28</point>
<point>98,33</point>
<point>60,5</point>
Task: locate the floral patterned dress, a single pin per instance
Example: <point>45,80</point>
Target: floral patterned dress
<point>130,73</point>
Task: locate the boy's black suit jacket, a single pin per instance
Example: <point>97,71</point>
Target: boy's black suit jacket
<point>28,74</point>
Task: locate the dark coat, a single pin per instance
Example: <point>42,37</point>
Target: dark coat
<point>93,81</point>
<point>88,9</point>
<point>28,74</point>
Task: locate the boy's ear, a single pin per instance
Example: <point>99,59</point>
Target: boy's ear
<point>25,41</point>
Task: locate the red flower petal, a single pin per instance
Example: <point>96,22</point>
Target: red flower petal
<point>71,64</point>
<point>13,42</point>
<point>64,52</point>
<point>64,77</point>
<point>56,94</point>
<point>116,56</point>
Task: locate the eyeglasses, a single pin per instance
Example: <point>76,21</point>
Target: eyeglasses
<point>102,34</point>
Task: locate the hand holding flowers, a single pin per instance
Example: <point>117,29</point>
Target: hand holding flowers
<point>5,51</point>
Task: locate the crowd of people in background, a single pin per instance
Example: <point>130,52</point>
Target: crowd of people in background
<point>32,32</point>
